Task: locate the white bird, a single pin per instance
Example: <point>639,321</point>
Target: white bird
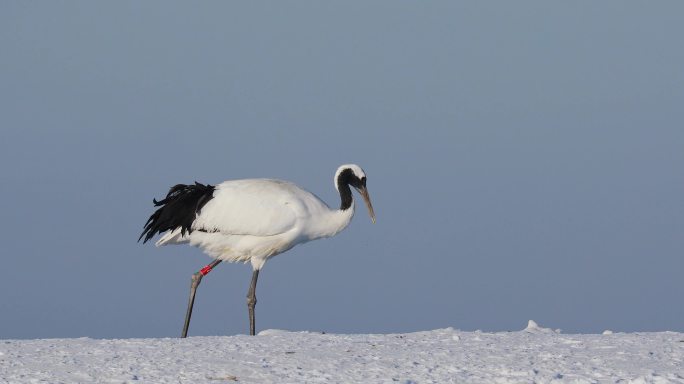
<point>250,220</point>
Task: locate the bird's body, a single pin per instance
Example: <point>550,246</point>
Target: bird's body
<point>251,220</point>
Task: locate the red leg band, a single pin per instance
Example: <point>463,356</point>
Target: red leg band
<point>205,270</point>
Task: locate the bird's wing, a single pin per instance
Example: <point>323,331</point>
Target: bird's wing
<point>257,207</point>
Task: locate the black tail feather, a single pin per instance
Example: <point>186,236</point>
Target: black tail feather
<point>178,209</point>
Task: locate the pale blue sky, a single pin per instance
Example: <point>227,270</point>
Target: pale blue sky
<point>524,158</point>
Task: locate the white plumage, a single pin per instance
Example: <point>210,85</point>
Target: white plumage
<point>251,220</point>
<point>256,219</point>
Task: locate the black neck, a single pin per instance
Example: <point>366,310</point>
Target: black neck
<point>343,181</point>
<point>345,196</point>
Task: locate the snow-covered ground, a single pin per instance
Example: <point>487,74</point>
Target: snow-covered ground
<point>441,356</point>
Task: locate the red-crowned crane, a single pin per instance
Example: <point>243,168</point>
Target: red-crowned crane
<point>250,220</point>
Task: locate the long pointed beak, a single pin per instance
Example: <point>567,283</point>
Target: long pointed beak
<point>366,198</point>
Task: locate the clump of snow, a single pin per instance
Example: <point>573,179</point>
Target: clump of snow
<point>607,332</point>
<point>533,327</point>
<point>535,354</point>
<point>271,332</point>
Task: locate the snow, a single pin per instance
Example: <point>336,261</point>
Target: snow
<point>533,327</point>
<point>533,355</point>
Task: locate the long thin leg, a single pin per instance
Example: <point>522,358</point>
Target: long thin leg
<point>251,301</point>
<point>194,283</point>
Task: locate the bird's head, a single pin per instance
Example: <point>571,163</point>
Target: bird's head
<point>353,175</point>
